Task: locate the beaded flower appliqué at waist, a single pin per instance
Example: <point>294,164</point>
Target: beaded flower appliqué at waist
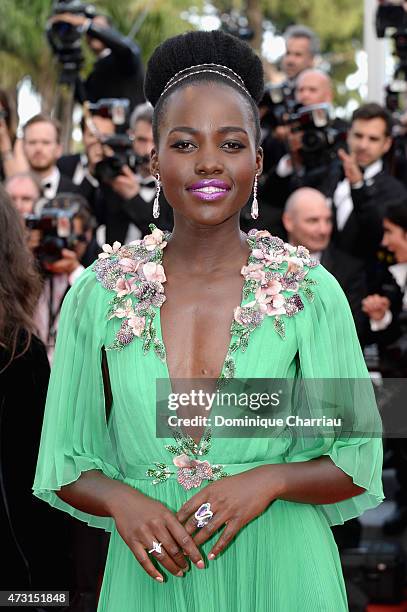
<point>191,471</point>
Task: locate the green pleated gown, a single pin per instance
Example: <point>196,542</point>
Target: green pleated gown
<point>285,560</point>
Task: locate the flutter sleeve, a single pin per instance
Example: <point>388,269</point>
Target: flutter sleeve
<point>75,436</point>
<point>336,383</point>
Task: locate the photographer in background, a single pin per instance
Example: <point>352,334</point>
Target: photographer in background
<point>302,45</point>
<point>118,71</point>
<point>313,137</point>
<point>42,148</point>
<point>60,266</point>
<point>80,167</point>
<point>313,87</point>
<point>124,198</point>
<point>138,190</point>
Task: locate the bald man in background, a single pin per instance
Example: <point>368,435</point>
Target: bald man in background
<point>308,221</point>
<point>24,189</point>
<point>313,87</point>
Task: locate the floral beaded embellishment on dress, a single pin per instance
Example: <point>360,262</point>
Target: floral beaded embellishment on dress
<point>274,274</point>
<point>135,270</point>
<point>191,472</point>
<point>273,267</point>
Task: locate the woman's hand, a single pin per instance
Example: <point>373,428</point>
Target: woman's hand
<point>235,501</point>
<point>141,521</point>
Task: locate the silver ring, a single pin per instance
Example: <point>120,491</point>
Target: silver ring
<point>157,546</point>
<point>203,515</point>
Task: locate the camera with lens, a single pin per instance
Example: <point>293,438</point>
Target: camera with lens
<point>116,109</point>
<point>122,154</point>
<point>279,102</point>
<point>119,147</point>
<point>390,14</point>
<point>320,139</point>
<point>54,221</point>
<point>65,38</point>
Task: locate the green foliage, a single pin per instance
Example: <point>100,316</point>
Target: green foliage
<point>337,22</point>
<point>25,49</point>
<point>339,25</point>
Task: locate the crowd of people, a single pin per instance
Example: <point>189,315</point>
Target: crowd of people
<point>343,199</point>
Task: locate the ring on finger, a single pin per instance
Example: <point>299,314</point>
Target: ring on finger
<point>203,515</point>
<point>157,547</point>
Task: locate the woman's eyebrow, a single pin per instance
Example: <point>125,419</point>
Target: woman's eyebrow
<point>231,128</point>
<point>222,130</point>
<point>183,128</point>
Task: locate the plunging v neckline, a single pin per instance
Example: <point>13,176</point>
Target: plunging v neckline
<point>160,330</point>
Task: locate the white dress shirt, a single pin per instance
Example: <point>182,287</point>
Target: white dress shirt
<point>50,184</point>
<point>342,198</point>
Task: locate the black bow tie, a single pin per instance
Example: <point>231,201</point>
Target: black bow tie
<point>150,184</point>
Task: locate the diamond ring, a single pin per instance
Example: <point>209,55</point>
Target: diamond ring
<point>157,546</point>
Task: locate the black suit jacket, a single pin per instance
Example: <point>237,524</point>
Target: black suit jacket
<point>118,75</point>
<point>67,165</point>
<point>350,274</point>
<point>140,212</point>
<point>362,233</point>
<point>65,185</point>
<point>117,213</point>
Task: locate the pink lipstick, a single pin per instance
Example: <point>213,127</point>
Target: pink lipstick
<point>209,189</point>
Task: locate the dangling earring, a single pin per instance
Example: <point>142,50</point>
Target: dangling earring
<point>255,204</point>
<point>156,205</point>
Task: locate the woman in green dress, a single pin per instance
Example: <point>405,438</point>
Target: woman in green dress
<point>207,302</point>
